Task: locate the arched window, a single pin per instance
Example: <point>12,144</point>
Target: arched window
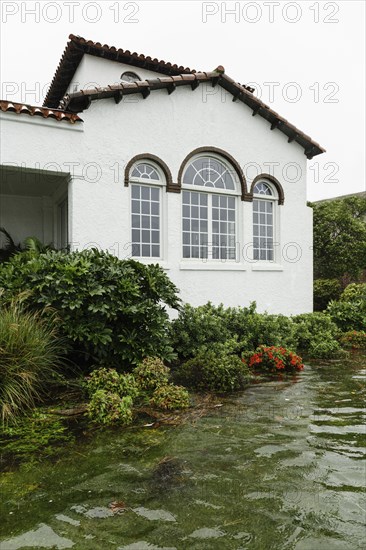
<point>209,211</point>
<point>264,201</point>
<point>129,76</point>
<point>146,180</point>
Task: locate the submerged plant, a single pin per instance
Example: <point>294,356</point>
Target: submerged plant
<point>170,397</point>
<point>108,408</point>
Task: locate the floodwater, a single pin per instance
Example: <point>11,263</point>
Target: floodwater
<point>278,466</point>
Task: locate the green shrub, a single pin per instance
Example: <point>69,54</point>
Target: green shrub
<point>111,381</point>
<point>208,324</point>
<point>325,290</point>
<point>151,374</point>
<point>214,368</point>
<point>30,353</point>
<point>354,339</point>
<point>198,326</point>
<point>111,311</point>
<point>275,359</point>
<point>316,334</point>
<point>170,397</point>
<point>354,292</point>
<point>348,315</point>
<point>109,408</point>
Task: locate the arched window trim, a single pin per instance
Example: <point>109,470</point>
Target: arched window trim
<point>159,164</point>
<point>273,183</point>
<point>224,157</point>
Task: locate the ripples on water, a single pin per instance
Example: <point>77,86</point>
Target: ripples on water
<point>279,466</point>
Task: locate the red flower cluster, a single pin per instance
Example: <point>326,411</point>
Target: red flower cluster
<point>274,359</point>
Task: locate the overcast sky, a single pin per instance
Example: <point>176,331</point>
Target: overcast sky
<point>305,59</point>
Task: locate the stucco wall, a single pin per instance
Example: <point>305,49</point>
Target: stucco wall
<point>171,126</point>
<point>94,71</point>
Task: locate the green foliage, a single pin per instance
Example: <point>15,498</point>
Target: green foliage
<point>348,315</point>
<point>151,374</point>
<point>208,324</point>
<point>339,237</point>
<point>110,408</point>
<point>9,247</point>
<point>111,310</point>
<point>275,359</point>
<point>316,334</point>
<point>354,293</point>
<point>214,368</point>
<point>111,396</point>
<point>30,353</point>
<point>170,397</point>
<point>39,434</point>
<point>324,291</point>
<point>111,381</point>
<point>354,339</point>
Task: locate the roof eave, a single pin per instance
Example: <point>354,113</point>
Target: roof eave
<point>82,99</point>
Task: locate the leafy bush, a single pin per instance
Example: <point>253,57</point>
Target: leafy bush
<point>354,339</point>
<point>111,381</point>
<point>151,374</point>
<point>354,293</point>
<point>208,324</point>
<point>30,353</point>
<point>108,408</point>
<point>316,334</point>
<point>348,315</point>
<point>324,291</point>
<point>170,397</point>
<point>214,368</point>
<point>111,310</point>
<point>275,359</point>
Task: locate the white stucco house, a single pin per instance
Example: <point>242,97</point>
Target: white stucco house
<point>158,162</point>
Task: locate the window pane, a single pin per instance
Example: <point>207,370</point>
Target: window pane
<point>155,222</point>
<point>145,236</point>
<point>154,208</point>
<point>136,207</point>
<point>145,193</point>
<point>135,221</point>
<point>145,243</point>
<point>145,206</point>
<point>155,237</point>
<point>186,251</point>
<point>145,221</point>
<point>154,194</point>
<point>145,250</point>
